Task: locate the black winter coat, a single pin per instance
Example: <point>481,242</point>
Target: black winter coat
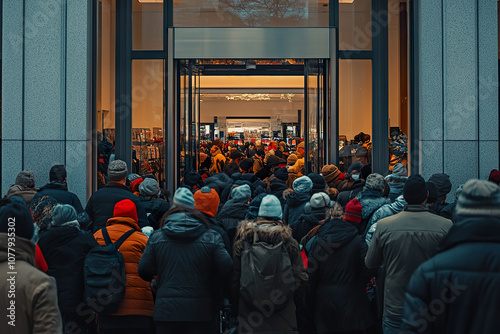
<point>187,257</point>
<point>155,209</point>
<point>102,203</point>
<point>307,222</point>
<point>64,249</point>
<point>60,193</point>
<point>336,292</point>
<point>277,187</point>
<point>294,207</point>
<point>230,217</point>
<point>459,287</point>
<point>350,193</point>
<point>217,226</point>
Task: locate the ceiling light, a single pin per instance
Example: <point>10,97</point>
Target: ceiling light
<point>346,1</point>
<point>150,1</point>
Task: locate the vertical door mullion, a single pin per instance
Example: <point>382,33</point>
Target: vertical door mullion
<point>306,117</point>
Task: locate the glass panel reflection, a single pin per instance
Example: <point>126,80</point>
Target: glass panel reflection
<point>147,25</point>
<point>355,25</point>
<point>251,13</point>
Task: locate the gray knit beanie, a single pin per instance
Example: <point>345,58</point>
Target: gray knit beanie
<point>149,187</point>
<point>117,170</point>
<point>63,213</point>
<point>302,185</point>
<point>26,179</point>
<point>184,197</point>
<point>270,207</point>
<point>375,182</point>
<point>241,193</point>
<point>479,198</point>
<point>320,200</point>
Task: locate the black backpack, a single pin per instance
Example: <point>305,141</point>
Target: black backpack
<point>104,275</point>
<point>267,280</point>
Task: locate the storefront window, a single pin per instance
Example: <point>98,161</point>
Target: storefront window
<point>148,91</point>
<point>105,87</point>
<point>355,25</point>
<point>252,13</point>
<point>355,111</point>
<point>147,25</point>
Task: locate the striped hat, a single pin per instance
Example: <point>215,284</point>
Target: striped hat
<point>353,211</point>
<point>479,198</point>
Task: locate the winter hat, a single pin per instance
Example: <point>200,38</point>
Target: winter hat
<point>366,170</point>
<point>135,180</point>
<point>192,178</point>
<point>241,193</point>
<point>442,182</point>
<point>270,207</point>
<point>42,212</point>
<point>433,192</point>
<point>17,213</point>
<point>273,161</point>
<point>125,208</point>
<point>149,187</point>
<point>235,154</point>
<point>353,211</point>
<point>375,182</point>
<point>291,160</point>
<point>494,176</point>
<point>320,200</point>
<point>281,174</point>
<point>479,198</point>
<point>318,181</point>
<point>301,145</point>
<point>26,179</point>
<point>302,185</point>
<point>246,164</point>
<point>399,169</point>
<point>207,201</point>
<point>355,166</point>
<point>253,208</point>
<point>117,170</point>
<point>184,197</point>
<point>330,173</point>
<point>415,190</point>
<point>63,213</point>
<point>261,153</point>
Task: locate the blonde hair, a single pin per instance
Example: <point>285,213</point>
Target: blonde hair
<point>335,212</point>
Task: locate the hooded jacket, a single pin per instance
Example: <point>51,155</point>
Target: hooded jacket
<point>64,249</point>
<point>186,256</point>
<point>218,161</point>
<point>26,193</point>
<point>230,217</point>
<point>463,276</point>
<point>383,212</point>
<point>155,209</point>
<point>307,222</point>
<point>336,291</point>
<point>371,201</point>
<point>402,242</point>
<point>272,232</point>
<point>35,296</point>
<point>277,187</point>
<point>350,193</point>
<point>138,298</point>
<point>60,193</point>
<point>294,207</point>
<point>396,185</point>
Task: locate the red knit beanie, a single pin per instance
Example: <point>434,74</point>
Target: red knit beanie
<point>353,211</point>
<point>494,176</point>
<point>206,200</point>
<point>126,208</point>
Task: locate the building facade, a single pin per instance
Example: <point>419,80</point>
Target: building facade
<point>148,77</point>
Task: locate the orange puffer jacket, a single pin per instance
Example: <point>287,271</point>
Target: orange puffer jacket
<point>138,298</point>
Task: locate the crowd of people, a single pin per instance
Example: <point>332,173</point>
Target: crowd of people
<point>250,244</point>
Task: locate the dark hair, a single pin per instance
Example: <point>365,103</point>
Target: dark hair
<point>192,212</point>
<point>57,173</point>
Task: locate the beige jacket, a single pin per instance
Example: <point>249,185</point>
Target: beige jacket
<point>36,309</point>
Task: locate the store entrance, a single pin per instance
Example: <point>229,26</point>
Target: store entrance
<point>238,102</point>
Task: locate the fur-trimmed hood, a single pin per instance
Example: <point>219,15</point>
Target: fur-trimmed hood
<point>270,231</point>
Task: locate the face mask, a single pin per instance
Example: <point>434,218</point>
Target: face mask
<point>355,177</point>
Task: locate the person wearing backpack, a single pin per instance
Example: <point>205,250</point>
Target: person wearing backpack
<point>265,247</point>
<point>64,247</point>
<point>187,256</point>
<point>135,311</point>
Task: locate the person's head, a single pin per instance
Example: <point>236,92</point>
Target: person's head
<point>273,145</point>
<point>149,188</point>
<point>63,213</point>
<point>302,185</point>
<point>251,145</point>
<point>318,181</point>
<point>494,176</point>
<point>355,170</point>
<point>241,194</point>
<point>270,207</point>
<point>415,190</point>
<point>42,211</point>
<point>335,212</point>
<point>214,150</point>
<point>117,171</point>
<point>301,150</point>
<point>479,198</point>
<point>433,192</point>
<point>126,209</point>
<point>260,154</point>
<point>375,182</point>
<point>57,174</point>
<point>246,166</point>
<point>15,214</point>
<point>206,201</point>
<point>353,212</point>
<point>320,200</point>
<point>281,174</point>
<point>443,184</point>
<point>26,179</point>
<point>291,160</point>
<point>183,197</point>
<point>133,181</point>
<point>282,145</point>
<point>331,173</point>
<point>399,170</point>
<point>235,155</point>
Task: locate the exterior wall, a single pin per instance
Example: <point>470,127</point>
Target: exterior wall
<point>456,80</point>
<point>46,91</point>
